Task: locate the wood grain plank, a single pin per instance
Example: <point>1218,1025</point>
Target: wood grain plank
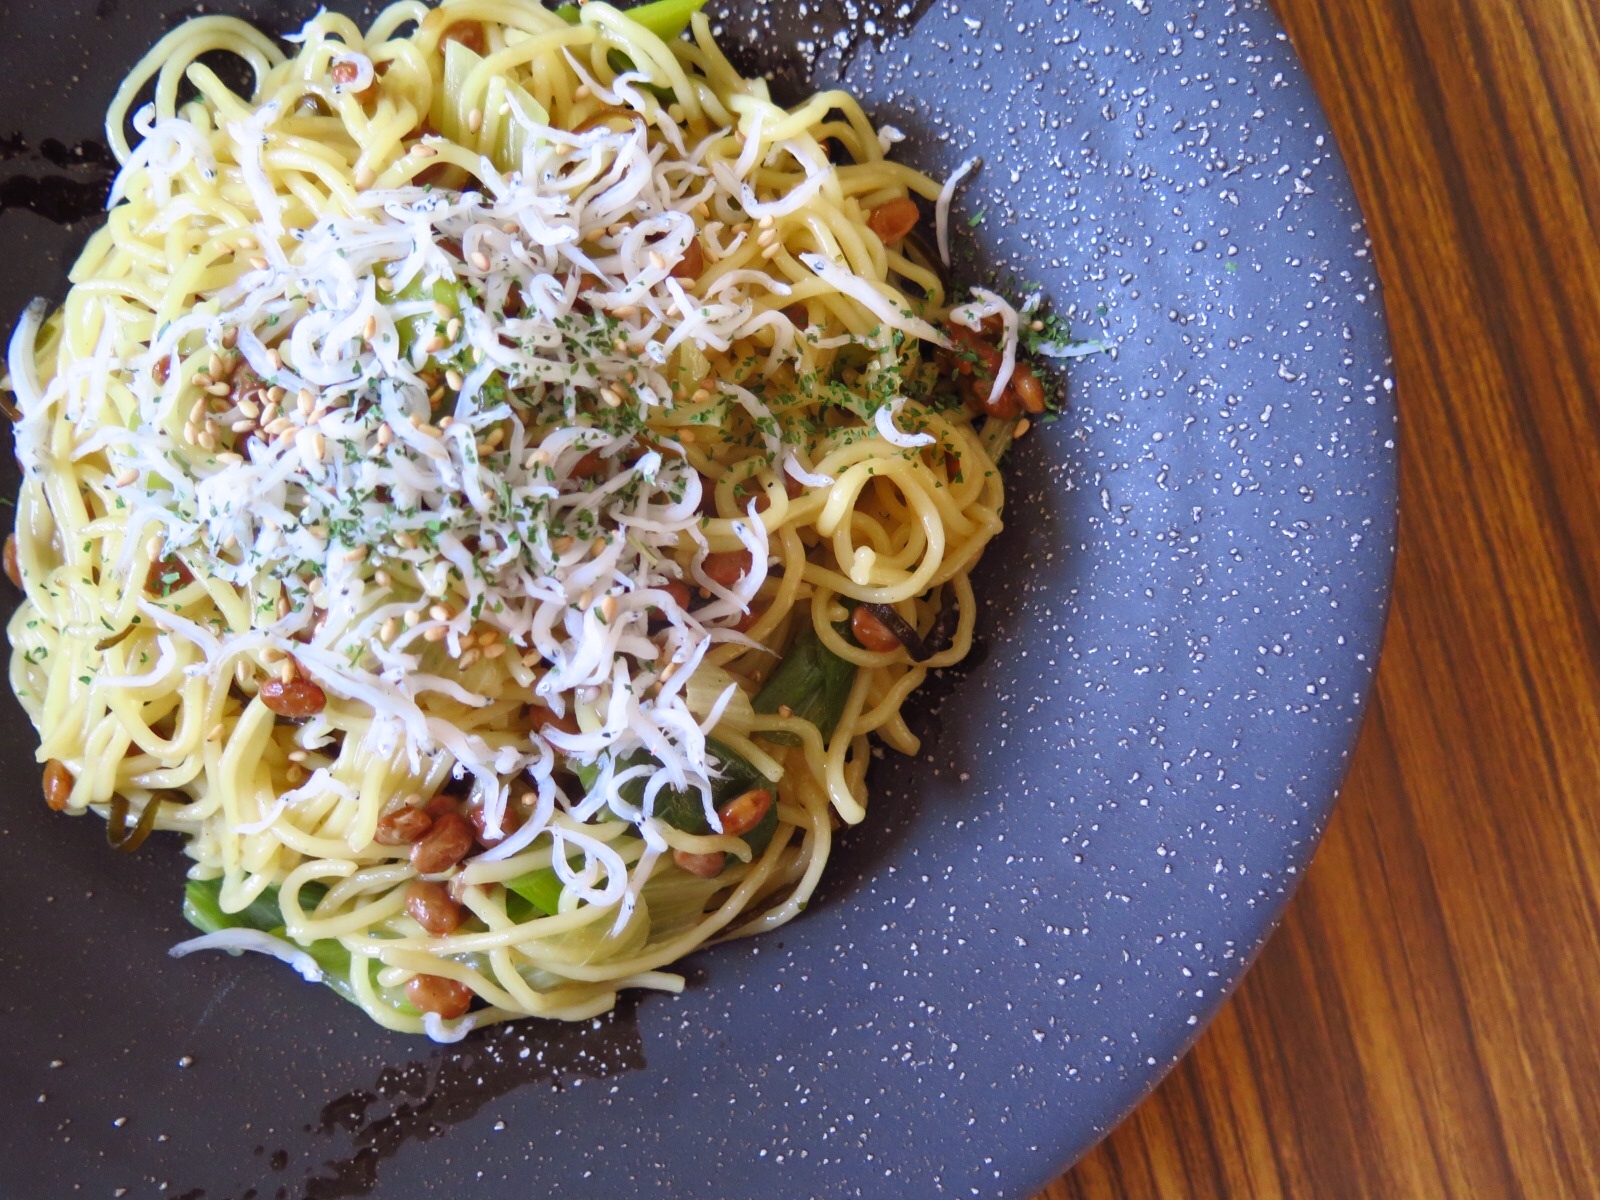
<point>1423,1025</point>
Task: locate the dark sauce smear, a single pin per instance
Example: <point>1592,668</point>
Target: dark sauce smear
<point>64,199</point>
<point>343,1151</point>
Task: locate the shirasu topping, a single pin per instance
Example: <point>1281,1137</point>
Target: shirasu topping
<point>438,428</point>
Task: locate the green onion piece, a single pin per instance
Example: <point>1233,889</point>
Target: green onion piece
<point>812,681</point>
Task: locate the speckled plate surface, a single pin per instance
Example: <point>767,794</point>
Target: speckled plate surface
<point>1119,792</point>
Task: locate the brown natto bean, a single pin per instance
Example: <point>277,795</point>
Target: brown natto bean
<point>443,846</point>
<point>297,698</point>
<point>892,221</point>
<point>743,813</point>
<point>704,865</point>
<point>449,998</point>
<point>58,783</point>
<point>402,828</point>
<point>429,905</point>
<point>727,567</point>
<point>872,633</point>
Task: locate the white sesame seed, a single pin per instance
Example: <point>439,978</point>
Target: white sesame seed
<point>370,329</point>
<point>452,379</point>
<point>585,600</point>
<point>356,555</point>
<point>440,612</point>
<point>657,262</point>
<point>390,628</point>
<point>219,389</point>
<point>127,475</point>
<point>412,617</point>
<point>250,409</point>
<point>422,151</point>
<point>382,578</point>
<point>385,434</point>
<point>275,394</point>
<point>494,651</point>
<point>608,608</point>
<point>475,120</point>
<point>259,264</point>
<point>480,260</point>
<point>306,401</point>
<point>436,633</point>
<point>468,657</point>
<point>452,329</point>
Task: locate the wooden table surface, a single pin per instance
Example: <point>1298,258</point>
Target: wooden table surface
<point>1427,1021</point>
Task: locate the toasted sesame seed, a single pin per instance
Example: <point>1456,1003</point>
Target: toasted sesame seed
<point>687,437</point>
<point>422,151</point>
<point>608,608</point>
<point>306,401</point>
<point>271,654</point>
<point>480,260</point>
<point>230,335</point>
<point>468,657</point>
<point>202,380</point>
<point>214,366</point>
<point>785,711</point>
<point>154,546</point>
<point>440,612</point>
<point>197,411</point>
<point>214,734</point>
<point>585,600</point>
<point>452,379</point>
<point>286,671</point>
<point>494,651</point>
<point>435,344</point>
<point>766,222</point>
<point>446,423</point>
<point>311,444</point>
<point>298,756</point>
<point>436,633</point>
<point>611,397</point>
<point>244,426</point>
<point>207,440</point>
<point>364,177</point>
<point>385,434</point>
<point>581,92</point>
<point>772,251</point>
<point>190,432</point>
<point>370,329</point>
<point>657,262</point>
<point>382,578</point>
<point>274,428</point>
<point>475,120</point>
<point>385,284</point>
<point>276,394</point>
<point>232,459</point>
<point>413,617</point>
<point>562,544</point>
<point>127,475</point>
<point>406,539</point>
<point>269,414</point>
<point>453,329</point>
<point>259,263</point>
<point>488,637</point>
<point>767,238</point>
<point>355,555</point>
<point>1022,427</point>
<point>667,672</point>
<point>390,628</point>
<point>219,389</point>
<point>249,409</point>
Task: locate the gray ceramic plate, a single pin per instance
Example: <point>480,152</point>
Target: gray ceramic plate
<point>1119,793</point>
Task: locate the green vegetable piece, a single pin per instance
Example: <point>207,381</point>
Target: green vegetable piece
<point>664,18</point>
<point>539,890</point>
<point>813,682</point>
<point>202,908</point>
<point>424,326</point>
